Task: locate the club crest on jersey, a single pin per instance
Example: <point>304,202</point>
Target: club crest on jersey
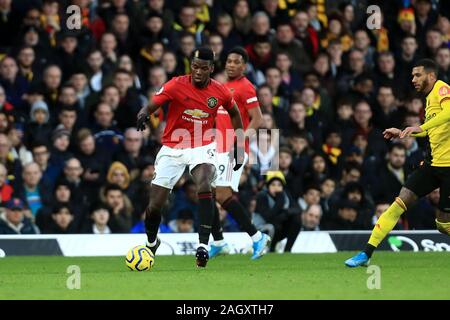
<point>444,90</point>
<point>212,102</point>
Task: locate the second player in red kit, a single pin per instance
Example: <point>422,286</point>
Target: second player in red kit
<point>228,179</point>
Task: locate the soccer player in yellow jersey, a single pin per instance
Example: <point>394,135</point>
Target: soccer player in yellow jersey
<point>433,173</point>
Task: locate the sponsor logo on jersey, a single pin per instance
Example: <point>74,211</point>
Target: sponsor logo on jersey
<point>196,113</point>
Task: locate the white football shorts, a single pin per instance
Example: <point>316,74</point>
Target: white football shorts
<point>170,163</point>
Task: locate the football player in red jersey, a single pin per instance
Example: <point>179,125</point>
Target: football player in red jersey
<point>227,180</point>
<point>188,140</point>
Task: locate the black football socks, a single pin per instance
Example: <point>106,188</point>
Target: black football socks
<point>237,210</point>
<point>152,221</point>
<point>206,213</point>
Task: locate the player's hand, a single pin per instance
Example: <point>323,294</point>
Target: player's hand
<point>391,133</point>
<point>410,130</point>
<point>237,155</point>
<point>142,119</point>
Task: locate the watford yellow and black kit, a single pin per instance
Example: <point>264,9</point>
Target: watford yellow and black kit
<point>435,173</point>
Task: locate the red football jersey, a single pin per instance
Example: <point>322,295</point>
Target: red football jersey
<point>245,96</point>
<point>192,111</point>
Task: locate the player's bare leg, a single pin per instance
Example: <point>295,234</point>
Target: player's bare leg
<point>203,176</point>
<point>383,226</point>
<point>158,198</point>
<point>443,222</point>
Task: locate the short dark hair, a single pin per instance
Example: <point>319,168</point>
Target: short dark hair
<point>397,145</point>
<point>262,39</point>
<point>112,187</point>
<point>38,144</point>
<point>123,71</point>
<point>428,65</point>
<point>68,108</point>
<point>352,165</point>
<point>203,53</point>
<point>240,51</point>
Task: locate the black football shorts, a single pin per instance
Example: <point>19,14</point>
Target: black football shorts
<point>426,179</point>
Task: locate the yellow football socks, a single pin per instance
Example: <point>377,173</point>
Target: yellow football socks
<point>387,222</point>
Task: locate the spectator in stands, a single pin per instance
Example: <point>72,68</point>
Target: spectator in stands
<point>129,103</point>
<point>289,79</point>
<point>111,96</point>
<point>131,153</point>
<point>392,175</point>
<point>62,195</point>
<point>140,186</point>
<point>99,221</point>
<point>170,64</point>
<point>386,115</point>
<point>60,149</point>
<point>33,191</point>
<point>277,207</point>
<point>355,68</point>
<point>405,62</point>
<point>14,221</point>
<point>13,166</point>
<point>41,156</point>
<point>67,120</point>
<point>443,60</point>
<point>5,106</point>
<point>51,84</point>
<point>6,190</point>
<point>185,198</point>
<point>126,63</point>
<point>232,37</point>
<point>97,68</point>
<point>83,91</point>
<point>107,135</point>
<point>285,42</point>
<point>118,174</point>
<point>72,173</point>
<point>5,122</point>
<point>423,215</point>
<point>62,221</point>
<point>327,187</point>
<point>26,60</point>
<point>260,52</point>
<point>13,83</point>
<point>121,215</point>
<point>294,182</point>
<point>93,159</point>
<point>265,98</point>
<point>39,128</point>
<point>311,218</point>
<point>18,149</point>
<point>183,223</point>
<point>346,217</point>
<point>305,33</point>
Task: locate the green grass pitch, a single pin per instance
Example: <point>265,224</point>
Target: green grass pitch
<point>404,275</point>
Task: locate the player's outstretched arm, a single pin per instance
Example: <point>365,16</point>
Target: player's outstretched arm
<point>143,116</point>
<point>441,118</point>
